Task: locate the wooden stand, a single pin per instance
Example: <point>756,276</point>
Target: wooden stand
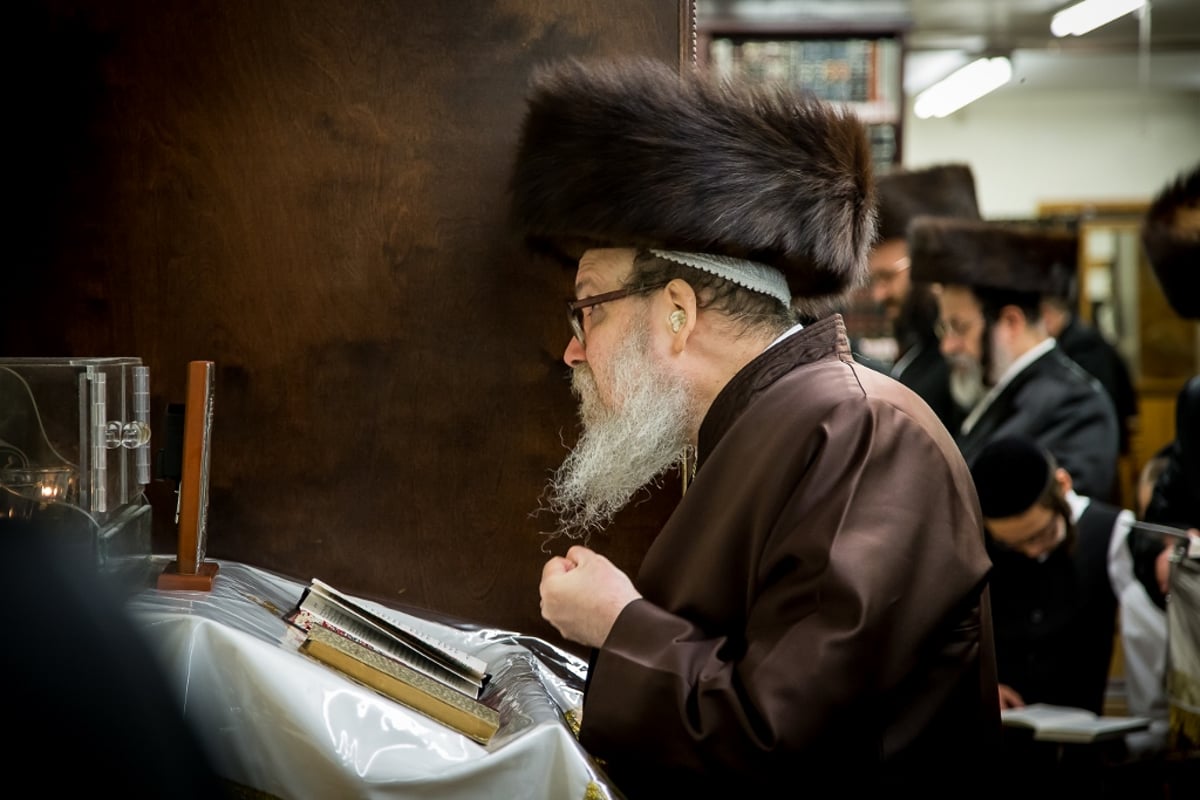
<point>199,581</point>
<point>190,571</point>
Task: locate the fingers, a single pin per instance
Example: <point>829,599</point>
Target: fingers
<point>578,554</point>
<point>556,566</point>
<point>1009,697</point>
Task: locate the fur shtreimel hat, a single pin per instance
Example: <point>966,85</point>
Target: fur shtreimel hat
<point>1171,236</point>
<point>1010,474</point>
<point>629,153</point>
<point>991,255</point>
<point>945,190</point>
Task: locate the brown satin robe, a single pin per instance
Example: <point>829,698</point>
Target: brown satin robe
<point>815,608</point>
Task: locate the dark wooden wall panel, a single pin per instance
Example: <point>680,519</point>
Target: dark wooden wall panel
<point>312,195</point>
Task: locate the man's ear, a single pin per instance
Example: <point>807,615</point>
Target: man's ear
<point>681,318</point>
<point>1063,479</point>
<point>1013,317</point>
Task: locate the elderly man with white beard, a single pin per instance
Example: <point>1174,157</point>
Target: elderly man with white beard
<point>1004,367</point>
<point>816,606</point>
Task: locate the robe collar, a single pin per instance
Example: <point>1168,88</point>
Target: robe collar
<point>824,339</point>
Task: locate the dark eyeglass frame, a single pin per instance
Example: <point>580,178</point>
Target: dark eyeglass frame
<point>575,307</point>
<point>1045,534</point>
<point>942,328</point>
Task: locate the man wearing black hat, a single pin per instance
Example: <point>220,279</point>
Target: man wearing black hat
<point>816,605</point>
<point>1004,366</point>
<point>1062,577</point>
<point>1061,562</point>
<point>944,190</point>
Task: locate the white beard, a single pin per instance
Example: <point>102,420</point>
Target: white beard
<point>966,381</point>
<point>624,448</point>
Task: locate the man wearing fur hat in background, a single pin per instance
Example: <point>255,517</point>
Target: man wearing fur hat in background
<point>1004,366</point>
<point>1171,238</point>
<point>946,190</point>
<point>815,608</point>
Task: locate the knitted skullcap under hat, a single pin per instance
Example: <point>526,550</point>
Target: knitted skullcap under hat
<point>629,152</point>
<point>1010,474</point>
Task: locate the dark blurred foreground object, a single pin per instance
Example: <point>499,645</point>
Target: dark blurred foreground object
<point>1171,238</point>
<point>90,706</point>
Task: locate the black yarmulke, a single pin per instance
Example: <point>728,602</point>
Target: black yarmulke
<point>1010,474</point>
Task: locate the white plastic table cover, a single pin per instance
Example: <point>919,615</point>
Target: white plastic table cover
<point>281,723</point>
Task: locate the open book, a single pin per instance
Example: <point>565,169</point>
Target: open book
<point>468,716</point>
<point>1065,724</point>
<point>322,605</point>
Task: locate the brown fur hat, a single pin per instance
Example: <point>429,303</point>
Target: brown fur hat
<point>630,153</point>
<point>1171,236</point>
<point>992,255</point>
<point>945,190</point>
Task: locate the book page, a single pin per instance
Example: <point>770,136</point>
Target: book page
<point>433,647</point>
<point>1067,724</point>
<point>317,609</point>
<point>1040,715</point>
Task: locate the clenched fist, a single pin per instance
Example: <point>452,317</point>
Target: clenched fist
<point>582,595</point>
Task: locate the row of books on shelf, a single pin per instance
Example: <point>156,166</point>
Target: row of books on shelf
<point>397,660</point>
<point>858,71</point>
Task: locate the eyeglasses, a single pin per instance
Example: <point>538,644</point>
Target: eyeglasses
<point>1043,535</point>
<point>575,307</point>
<point>955,327</point>
<point>887,275</point>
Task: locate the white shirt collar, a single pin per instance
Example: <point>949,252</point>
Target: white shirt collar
<point>1078,504</point>
<point>789,332</point>
<point>1014,369</point>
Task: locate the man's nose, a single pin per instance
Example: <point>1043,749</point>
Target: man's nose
<point>879,292</point>
<point>574,355</point>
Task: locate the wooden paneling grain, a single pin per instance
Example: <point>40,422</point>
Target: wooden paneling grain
<point>312,195</point>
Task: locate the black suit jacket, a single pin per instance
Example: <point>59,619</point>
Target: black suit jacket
<point>925,370</point>
<point>1065,409</point>
<point>1089,349</point>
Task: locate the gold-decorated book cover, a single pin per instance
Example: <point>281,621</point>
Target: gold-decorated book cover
<point>390,678</point>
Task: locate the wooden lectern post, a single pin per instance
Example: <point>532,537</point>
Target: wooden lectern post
<point>190,570</point>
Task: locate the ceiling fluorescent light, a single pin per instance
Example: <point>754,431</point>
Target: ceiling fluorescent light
<point>1090,14</point>
<point>962,87</point>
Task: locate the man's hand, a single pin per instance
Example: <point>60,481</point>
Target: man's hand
<point>1009,698</point>
<point>1162,567</point>
<point>582,595</point>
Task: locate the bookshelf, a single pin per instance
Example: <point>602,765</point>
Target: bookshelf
<point>861,70</point>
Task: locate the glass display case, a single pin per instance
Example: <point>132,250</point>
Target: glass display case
<point>75,453</point>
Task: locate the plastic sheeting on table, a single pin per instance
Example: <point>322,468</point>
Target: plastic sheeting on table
<point>282,723</point>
